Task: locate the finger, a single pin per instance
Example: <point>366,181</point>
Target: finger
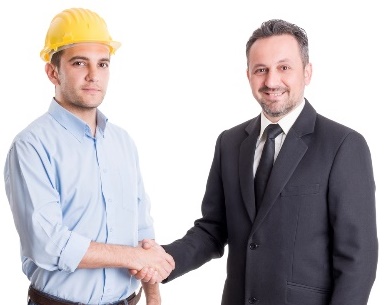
<point>146,245</point>
<point>140,274</point>
<point>164,272</point>
<point>171,261</point>
<point>158,278</point>
<point>169,264</point>
<point>149,275</point>
<point>133,271</point>
<point>155,278</point>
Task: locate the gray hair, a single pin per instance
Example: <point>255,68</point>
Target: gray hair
<point>276,27</point>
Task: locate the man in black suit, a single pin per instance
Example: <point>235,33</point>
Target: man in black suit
<point>312,239</point>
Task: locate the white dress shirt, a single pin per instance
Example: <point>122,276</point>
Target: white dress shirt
<point>285,123</point>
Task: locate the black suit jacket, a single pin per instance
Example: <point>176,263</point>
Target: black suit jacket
<point>314,239</point>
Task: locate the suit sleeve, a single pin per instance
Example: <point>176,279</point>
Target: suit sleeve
<point>351,200</point>
<point>207,238</point>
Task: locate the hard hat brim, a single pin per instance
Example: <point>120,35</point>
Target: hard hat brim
<point>46,54</point>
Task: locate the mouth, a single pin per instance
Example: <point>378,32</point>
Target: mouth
<point>91,90</point>
<point>274,94</point>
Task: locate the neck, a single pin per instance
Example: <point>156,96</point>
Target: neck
<point>88,115</point>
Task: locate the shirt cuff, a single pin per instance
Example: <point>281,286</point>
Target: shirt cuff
<point>73,252</point>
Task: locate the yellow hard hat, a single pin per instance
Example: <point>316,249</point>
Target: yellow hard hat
<point>76,25</point>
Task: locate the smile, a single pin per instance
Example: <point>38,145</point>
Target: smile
<point>275,94</point>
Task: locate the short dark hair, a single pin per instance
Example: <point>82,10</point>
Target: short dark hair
<point>275,27</point>
<point>55,59</point>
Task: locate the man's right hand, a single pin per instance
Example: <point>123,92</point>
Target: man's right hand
<point>156,264</point>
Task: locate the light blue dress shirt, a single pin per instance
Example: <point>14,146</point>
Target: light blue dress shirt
<point>67,188</point>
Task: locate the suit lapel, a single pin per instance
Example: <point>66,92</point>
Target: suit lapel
<point>292,151</point>
<point>246,159</point>
<point>290,155</point>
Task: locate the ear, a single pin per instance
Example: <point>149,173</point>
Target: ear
<point>308,73</point>
<point>247,74</point>
<point>52,73</point>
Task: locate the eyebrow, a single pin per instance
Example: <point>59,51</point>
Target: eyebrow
<point>285,60</point>
<point>87,58</point>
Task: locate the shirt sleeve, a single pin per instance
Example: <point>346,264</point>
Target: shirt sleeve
<point>145,220</point>
<point>30,183</point>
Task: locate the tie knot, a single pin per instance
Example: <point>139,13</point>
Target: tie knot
<point>273,130</point>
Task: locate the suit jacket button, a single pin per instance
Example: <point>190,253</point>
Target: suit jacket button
<point>253,246</point>
<point>253,300</point>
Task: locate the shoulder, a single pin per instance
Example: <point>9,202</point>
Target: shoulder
<point>35,130</point>
<point>241,129</point>
<point>335,130</point>
<point>312,125</point>
<point>233,137</point>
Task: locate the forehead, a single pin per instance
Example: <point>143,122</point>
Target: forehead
<point>275,49</point>
<point>89,50</point>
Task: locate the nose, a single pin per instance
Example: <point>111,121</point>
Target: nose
<point>92,75</point>
<point>273,79</point>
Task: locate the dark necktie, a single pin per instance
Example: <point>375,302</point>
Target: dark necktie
<point>266,163</point>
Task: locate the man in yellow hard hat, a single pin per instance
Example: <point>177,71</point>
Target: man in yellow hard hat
<point>74,185</point>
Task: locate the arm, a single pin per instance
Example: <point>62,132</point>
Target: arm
<point>353,219</point>
<point>30,181</point>
<point>154,258</point>
<point>152,293</point>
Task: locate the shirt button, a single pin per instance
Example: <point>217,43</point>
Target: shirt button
<point>253,246</point>
<point>253,300</point>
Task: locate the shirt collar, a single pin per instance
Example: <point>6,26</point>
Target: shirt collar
<point>286,122</point>
<point>77,127</point>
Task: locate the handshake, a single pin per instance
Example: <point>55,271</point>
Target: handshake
<point>151,264</point>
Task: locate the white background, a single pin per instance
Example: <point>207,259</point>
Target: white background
<point>177,81</point>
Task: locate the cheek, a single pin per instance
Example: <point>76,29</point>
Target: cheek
<point>294,81</point>
<point>63,81</point>
<point>106,78</point>
<point>72,79</point>
<point>255,83</point>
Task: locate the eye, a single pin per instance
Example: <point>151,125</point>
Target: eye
<point>79,63</point>
<point>284,68</point>
<point>260,71</point>
<point>104,65</point>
